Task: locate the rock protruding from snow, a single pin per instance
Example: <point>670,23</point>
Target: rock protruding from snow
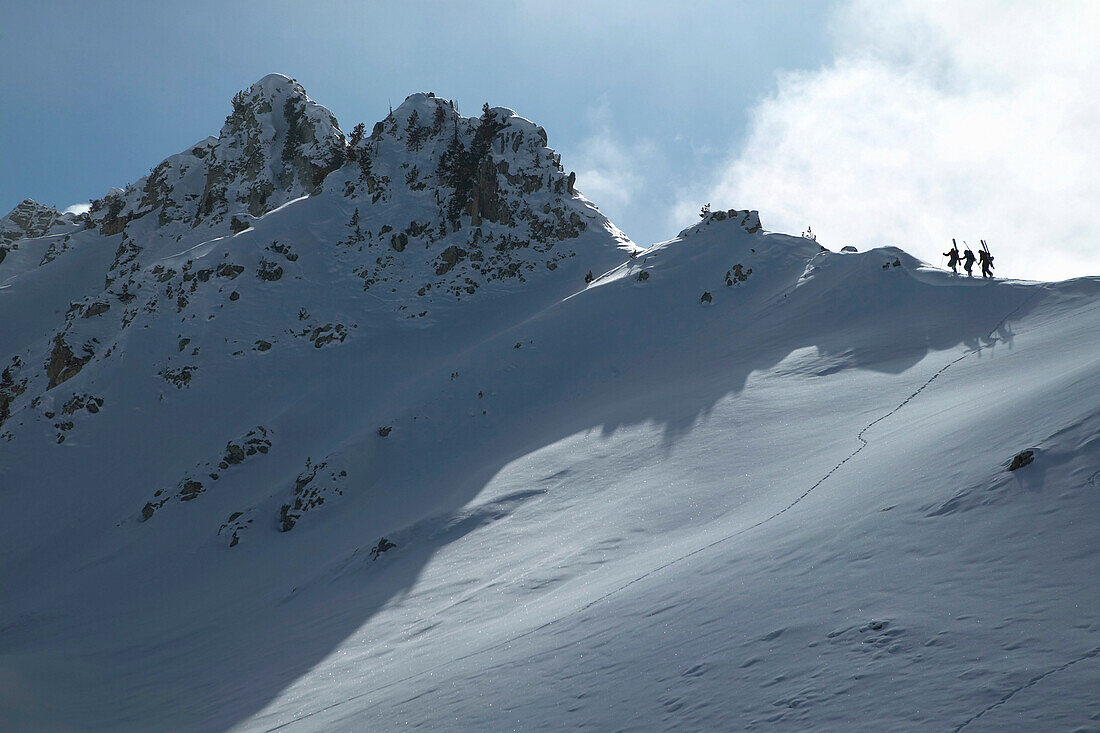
<point>746,219</point>
<point>455,203</point>
<point>275,146</point>
<point>430,209</point>
<point>28,220</point>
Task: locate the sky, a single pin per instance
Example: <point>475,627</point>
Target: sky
<point>898,123</point>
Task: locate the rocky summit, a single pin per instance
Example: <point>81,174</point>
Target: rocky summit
<point>429,209</point>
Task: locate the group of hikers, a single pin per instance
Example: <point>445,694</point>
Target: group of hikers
<point>968,259</point>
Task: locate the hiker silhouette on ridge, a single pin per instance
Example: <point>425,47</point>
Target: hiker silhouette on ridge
<point>953,257</point>
<point>986,260</point>
<point>968,262</point>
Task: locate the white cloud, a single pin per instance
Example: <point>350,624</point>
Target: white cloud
<point>614,170</point>
<point>78,209</point>
<point>937,120</point>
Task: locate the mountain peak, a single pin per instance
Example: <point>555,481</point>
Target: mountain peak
<point>432,207</point>
<point>276,145</point>
<point>276,85</point>
<point>27,220</point>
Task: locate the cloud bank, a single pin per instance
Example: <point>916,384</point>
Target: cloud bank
<point>613,171</point>
<point>937,120</point>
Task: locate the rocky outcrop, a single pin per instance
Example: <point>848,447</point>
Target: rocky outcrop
<point>383,545</point>
<point>269,271</point>
<point>63,364</point>
<point>737,274</point>
<point>275,145</point>
<point>432,208</point>
<point>488,201</point>
<point>30,219</point>
<point>202,477</point>
<point>1021,459</point>
<point>87,402</point>
<point>11,387</point>
<point>254,442</point>
<point>448,258</point>
<point>96,309</point>
<point>311,488</point>
<point>746,219</point>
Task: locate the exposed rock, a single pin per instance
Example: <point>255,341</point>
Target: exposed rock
<point>234,526</point>
<point>10,388</point>
<point>287,520</point>
<point>283,249</point>
<point>30,219</point>
<point>179,377</point>
<point>310,490</point>
<point>268,271</point>
<point>63,365</point>
<point>228,270</point>
<point>190,490</point>
<point>234,454</point>
<point>82,402</point>
<point>1021,459</point>
<point>706,297</point>
<point>326,334</point>
<point>253,442</point>
<point>63,427</point>
<point>96,309</point>
<point>383,545</point>
<point>449,258</point>
<point>737,274</point>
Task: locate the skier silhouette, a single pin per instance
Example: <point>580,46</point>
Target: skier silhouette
<point>986,259</point>
<point>953,257</point>
<point>968,262</point>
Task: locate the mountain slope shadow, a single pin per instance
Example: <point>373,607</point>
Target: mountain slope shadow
<point>646,359</point>
<point>621,353</point>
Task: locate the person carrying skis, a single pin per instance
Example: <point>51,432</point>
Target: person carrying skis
<point>968,262</point>
<point>986,260</point>
<point>953,257</point>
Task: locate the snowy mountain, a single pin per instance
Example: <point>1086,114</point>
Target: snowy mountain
<point>315,430</point>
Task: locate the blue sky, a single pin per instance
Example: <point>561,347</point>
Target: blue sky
<point>106,90</point>
<point>897,122</point>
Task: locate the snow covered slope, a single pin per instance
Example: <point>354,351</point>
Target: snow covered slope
<point>397,429</point>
